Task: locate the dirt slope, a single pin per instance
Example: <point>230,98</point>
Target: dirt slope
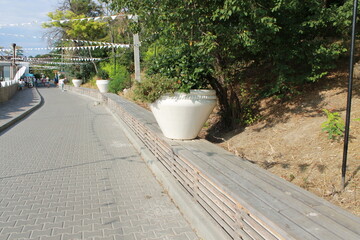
<point>288,142</point>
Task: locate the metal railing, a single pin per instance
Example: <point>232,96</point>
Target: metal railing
<point>9,83</point>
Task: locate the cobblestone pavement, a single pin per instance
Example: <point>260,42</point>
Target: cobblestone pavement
<point>69,172</point>
<point>18,105</point>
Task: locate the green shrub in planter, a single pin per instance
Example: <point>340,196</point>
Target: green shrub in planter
<point>78,75</point>
<point>102,74</point>
<point>153,87</point>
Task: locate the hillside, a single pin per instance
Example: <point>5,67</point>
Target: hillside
<point>288,141</point>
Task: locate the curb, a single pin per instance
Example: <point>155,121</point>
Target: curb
<point>204,226</point>
<point>24,114</point>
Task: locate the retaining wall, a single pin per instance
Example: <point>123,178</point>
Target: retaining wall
<point>240,199</point>
<point>7,92</point>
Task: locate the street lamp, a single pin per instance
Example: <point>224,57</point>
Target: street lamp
<point>349,96</point>
<point>13,65</point>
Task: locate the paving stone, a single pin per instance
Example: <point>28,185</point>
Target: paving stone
<point>92,234</point>
<point>152,227</point>
<point>164,233</point>
<point>58,237</point>
<point>40,233</point>
<point>78,177</point>
<point>25,222</point>
<point>192,236</point>
<point>83,228</point>
<point>143,236</point>
<point>32,227</point>
<point>52,225</point>
<point>136,229</point>
<point>113,231</point>
<point>8,224</point>
<point>104,238</point>
<point>73,223</point>
<point>11,230</point>
<point>17,236</point>
<point>57,231</point>
<point>125,237</point>
<point>72,236</point>
<point>45,220</point>
<point>179,237</point>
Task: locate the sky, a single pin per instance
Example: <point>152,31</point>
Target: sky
<point>25,11</point>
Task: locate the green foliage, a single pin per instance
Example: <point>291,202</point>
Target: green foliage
<point>37,75</point>
<point>292,41</point>
<point>89,30</point>
<point>181,64</point>
<point>120,80</point>
<point>102,74</point>
<point>153,87</point>
<point>334,125</point>
<point>78,75</point>
<point>77,29</point>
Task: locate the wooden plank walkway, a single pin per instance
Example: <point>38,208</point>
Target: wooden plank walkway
<point>247,201</point>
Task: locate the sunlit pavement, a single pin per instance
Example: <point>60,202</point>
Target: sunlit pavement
<point>69,172</point>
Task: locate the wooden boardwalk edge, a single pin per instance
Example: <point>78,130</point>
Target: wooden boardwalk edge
<point>246,201</point>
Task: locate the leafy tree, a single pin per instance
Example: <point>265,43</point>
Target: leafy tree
<point>103,31</point>
<point>271,45</point>
<point>64,29</point>
<point>85,7</point>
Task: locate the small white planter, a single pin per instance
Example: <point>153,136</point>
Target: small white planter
<point>77,82</point>
<point>103,85</point>
<point>181,116</point>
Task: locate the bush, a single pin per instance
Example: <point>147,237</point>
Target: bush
<point>334,125</point>
<point>102,74</point>
<point>78,75</point>
<point>184,65</point>
<point>153,87</point>
<point>120,80</point>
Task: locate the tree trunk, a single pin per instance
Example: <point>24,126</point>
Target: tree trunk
<point>228,99</point>
<point>92,61</point>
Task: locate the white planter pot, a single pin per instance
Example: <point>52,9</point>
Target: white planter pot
<point>181,116</point>
<point>103,85</point>
<point>77,82</point>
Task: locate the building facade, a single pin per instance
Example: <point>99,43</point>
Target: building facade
<point>5,67</point>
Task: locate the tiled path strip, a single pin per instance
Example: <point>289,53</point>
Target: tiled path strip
<point>69,172</point>
<point>19,106</point>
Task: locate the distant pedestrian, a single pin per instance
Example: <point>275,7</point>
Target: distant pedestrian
<point>62,84</point>
<point>47,82</point>
<point>21,84</point>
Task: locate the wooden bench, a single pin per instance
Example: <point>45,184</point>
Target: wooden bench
<point>246,201</point>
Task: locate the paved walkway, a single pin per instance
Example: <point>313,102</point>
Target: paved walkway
<point>69,172</point>
<point>18,107</point>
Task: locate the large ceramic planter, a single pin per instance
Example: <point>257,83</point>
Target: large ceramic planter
<point>76,82</point>
<point>181,116</point>
<point>103,85</point>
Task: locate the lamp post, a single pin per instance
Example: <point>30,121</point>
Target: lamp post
<point>136,53</point>
<point>13,64</point>
<point>349,95</point>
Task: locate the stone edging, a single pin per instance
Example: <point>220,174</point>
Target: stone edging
<point>25,113</point>
<point>243,200</point>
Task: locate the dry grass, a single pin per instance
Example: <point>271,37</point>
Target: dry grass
<point>289,142</point>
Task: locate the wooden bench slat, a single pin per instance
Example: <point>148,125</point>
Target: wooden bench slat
<point>349,220</point>
<point>268,194</point>
<point>247,201</point>
<point>263,212</point>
